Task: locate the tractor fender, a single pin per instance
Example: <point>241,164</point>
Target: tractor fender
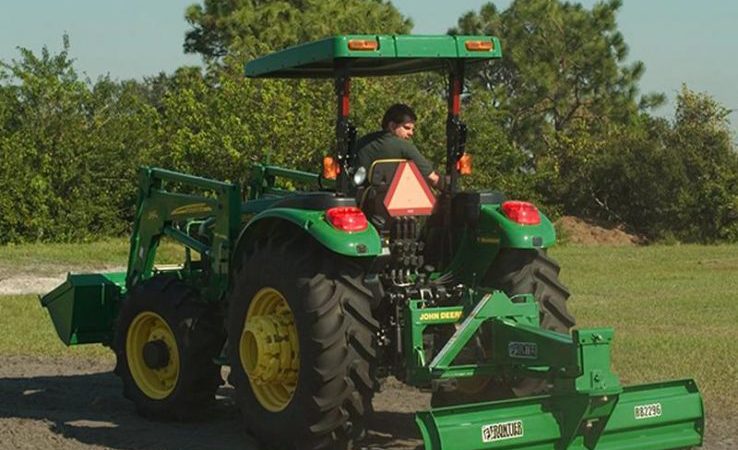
<point>363,244</point>
<point>496,228</point>
<point>478,246</point>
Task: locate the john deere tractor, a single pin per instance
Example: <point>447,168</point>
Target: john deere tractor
<point>311,297</point>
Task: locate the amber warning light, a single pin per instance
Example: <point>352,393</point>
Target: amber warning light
<point>464,164</point>
<point>331,168</point>
<point>479,46</point>
<point>363,44</point>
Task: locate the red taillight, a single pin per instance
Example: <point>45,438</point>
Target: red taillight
<point>523,213</point>
<point>347,218</point>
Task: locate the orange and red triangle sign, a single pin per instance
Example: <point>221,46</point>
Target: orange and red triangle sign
<point>409,194</point>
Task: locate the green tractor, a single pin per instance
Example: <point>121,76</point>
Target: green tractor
<point>312,297</point>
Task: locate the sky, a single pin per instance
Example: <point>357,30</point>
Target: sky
<point>679,41</point>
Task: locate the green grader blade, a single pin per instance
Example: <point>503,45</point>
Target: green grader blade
<point>657,416</point>
<point>586,408</point>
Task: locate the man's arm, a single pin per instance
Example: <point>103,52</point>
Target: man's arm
<point>426,168</point>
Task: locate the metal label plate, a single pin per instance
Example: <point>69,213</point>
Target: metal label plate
<point>501,431</point>
<point>522,350</point>
<point>647,411</point>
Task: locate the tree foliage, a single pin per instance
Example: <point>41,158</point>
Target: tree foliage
<point>704,142</point>
<point>245,29</point>
<point>558,121</point>
<point>65,149</point>
<point>665,181</point>
<point>563,66</point>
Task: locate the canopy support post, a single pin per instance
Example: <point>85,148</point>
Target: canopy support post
<point>345,131</point>
<point>455,128</point>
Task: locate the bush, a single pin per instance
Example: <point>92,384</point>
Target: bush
<point>70,149</point>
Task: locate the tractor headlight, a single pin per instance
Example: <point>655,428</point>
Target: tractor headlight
<point>359,176</point>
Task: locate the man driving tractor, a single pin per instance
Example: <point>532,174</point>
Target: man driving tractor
<point>393,142</point>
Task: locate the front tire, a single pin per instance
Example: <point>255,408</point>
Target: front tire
<point>314,389</point>
<point>165,342</point>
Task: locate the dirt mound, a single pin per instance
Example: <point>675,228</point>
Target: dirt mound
<point>579,231</point>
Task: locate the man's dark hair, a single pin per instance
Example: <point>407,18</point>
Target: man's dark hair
<point>398,113</point>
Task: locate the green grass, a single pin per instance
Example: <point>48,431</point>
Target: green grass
<point>27,331</point>
<point>49,259</point>
<point>674,309</point>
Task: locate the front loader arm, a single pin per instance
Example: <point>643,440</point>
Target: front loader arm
<point>159,209</point>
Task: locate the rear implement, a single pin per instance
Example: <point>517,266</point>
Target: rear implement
<point>655,416</point>
<point>587,408</point>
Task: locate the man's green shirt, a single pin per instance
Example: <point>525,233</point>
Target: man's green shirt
<point>385,145</point>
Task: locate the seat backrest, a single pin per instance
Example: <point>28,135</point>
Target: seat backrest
<point>382,171</point>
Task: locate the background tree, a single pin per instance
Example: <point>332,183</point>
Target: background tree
<point>562,67</point>
<point>290,121</point>
<point>704,142</point>
<point>558,121</point>
<point>665,181</point>
<point>68,149</point>
<point>244,29</point>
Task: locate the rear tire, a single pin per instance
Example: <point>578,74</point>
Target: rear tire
<point>322,401</point>
<point>189,335</point>
<point>517,271</point>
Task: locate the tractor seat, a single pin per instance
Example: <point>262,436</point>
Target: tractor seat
<point>382,171</point>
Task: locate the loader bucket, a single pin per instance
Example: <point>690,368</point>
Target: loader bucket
<point>658,416</point>
<point>84,307</point>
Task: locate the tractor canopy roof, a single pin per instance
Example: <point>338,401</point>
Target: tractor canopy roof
<point>372,55</point>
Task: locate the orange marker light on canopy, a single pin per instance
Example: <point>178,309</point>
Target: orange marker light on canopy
<point>464,164</point>
<point>331,169</point>
<point>479,46</point>
<point>363,44</point>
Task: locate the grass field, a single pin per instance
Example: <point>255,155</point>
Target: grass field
<point>50,259</point>
<point>674,309</point>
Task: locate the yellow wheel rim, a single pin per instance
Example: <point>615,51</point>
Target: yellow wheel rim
<point>149,329</point>
<point>269,349</point>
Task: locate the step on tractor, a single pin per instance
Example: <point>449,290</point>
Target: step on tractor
<point>312,297</point>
